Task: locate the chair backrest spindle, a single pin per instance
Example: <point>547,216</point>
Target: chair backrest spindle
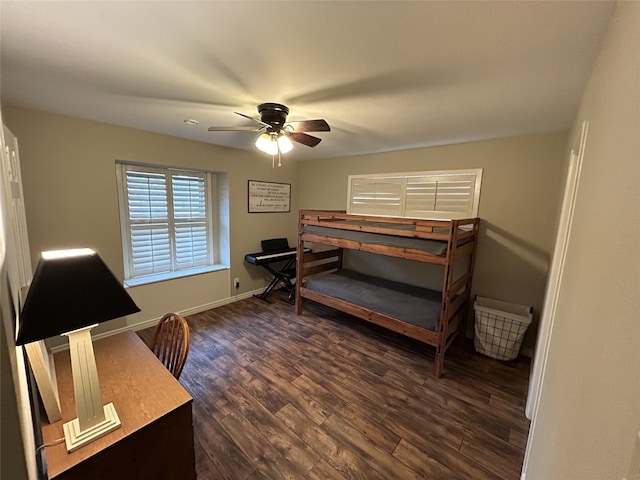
<point>171,342</point>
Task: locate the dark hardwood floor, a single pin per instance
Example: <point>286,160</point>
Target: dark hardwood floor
<point>326,396</point>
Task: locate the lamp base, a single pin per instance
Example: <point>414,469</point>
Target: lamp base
<point>75,438</point>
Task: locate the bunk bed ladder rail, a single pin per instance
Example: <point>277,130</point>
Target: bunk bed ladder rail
<point>454,306</point>
<point>475,228</point>
<point>299,264</point>
<point>444,309</point>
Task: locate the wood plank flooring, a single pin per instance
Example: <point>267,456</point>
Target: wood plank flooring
<point>326,396</point>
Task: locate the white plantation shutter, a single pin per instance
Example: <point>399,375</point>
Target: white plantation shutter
<point>165,220</point>
<point>450,196</point>
<point>420,196</point>
<point>442,194</point>
<point>148,217</point>
<point>376,196</point>
<point>190,217</point>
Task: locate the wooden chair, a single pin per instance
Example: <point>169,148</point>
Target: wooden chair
<point>171,342</point>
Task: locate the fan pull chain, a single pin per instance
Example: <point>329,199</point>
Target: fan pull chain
<point>273,159</point>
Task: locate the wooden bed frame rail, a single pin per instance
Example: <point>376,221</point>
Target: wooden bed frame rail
<point>456,292</point>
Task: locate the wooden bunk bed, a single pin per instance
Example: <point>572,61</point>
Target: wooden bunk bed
<point>432,317</point>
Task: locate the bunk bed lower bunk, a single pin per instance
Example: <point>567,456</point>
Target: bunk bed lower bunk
<point>432,317</point>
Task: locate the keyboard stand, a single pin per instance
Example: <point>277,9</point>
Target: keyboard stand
<point>283,275</point>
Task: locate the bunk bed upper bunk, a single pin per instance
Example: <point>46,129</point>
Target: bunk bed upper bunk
<point>430,241</point>
<point>433,317</point>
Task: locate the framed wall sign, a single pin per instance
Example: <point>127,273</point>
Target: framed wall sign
<point>266,197</point>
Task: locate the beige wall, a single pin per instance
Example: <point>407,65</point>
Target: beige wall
<point>521,187</point>
<point>588,417</point>
<point>70,194</point>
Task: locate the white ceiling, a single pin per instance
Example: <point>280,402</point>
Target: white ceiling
<point>385,75</point>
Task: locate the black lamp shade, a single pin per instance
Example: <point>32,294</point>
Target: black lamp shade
<point>69,293</point>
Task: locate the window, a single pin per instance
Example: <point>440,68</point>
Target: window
<point>441,194</point>
<point>166,220</point>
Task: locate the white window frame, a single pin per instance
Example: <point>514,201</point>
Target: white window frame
<point>174,271</point>
<point>390,194</point>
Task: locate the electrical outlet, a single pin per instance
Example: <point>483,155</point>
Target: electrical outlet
<point>236,282</point>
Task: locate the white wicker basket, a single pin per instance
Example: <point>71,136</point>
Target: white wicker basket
<point>500,327</point>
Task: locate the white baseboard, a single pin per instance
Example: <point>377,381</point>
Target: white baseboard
<point>152,322</point>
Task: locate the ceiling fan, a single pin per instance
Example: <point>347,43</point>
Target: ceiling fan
<point>277,132</point>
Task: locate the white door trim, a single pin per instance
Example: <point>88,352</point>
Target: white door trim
<point>548,315</point>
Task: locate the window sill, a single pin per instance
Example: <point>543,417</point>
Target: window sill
<point>161,277</point>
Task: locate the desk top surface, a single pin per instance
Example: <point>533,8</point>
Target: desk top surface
<point>140,387</point>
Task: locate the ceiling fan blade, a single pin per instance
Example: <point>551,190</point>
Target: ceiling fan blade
<point>253,118</point>
<point>319,125</point>
<point>303,138</point>
<point>236,129</point>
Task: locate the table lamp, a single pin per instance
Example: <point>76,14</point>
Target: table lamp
<point>71,292</point>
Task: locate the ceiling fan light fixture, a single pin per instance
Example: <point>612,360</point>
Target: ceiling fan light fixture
<point>276,134</point>
<point>272,143</point>
<point>284,144</point>
<point>265,143</point>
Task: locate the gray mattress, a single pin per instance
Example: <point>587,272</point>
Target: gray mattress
<point>435,247</point>
<point>408,303</point>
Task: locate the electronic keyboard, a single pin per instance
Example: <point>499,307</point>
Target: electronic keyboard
<point>260,258</point>
<point>276,250</point>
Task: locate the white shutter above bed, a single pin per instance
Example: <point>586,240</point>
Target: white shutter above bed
<point>375,196</point>
<point>440,194</point>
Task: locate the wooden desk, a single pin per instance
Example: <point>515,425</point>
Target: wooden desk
<point>155,440</point>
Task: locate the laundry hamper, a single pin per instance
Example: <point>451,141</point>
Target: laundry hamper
<point>500,327</point>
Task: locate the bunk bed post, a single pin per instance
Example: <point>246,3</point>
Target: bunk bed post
<point>299,264</point>
<point>439,360</point>
<point>472,262</point>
